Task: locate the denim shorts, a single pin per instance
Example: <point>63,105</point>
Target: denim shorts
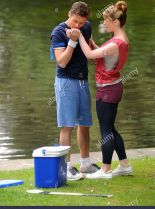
<point>73,102</point>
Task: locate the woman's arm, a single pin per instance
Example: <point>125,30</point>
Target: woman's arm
<point>92,44</point>
<point>108,50</point>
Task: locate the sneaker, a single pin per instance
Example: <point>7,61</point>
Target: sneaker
<point>120,171</point>
<point>90,169</point>
<point>73,174</point>
<point>100,174</point>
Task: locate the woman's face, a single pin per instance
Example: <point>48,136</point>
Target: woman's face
<point>109,24</point>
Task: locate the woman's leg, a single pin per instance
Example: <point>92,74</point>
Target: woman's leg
<point>106,115</point>
<point>119,145</point>
<point>124,168</point>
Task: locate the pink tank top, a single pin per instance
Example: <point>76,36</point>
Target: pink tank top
<point>104,76</point>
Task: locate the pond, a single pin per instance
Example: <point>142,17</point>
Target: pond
<point>27,103</point>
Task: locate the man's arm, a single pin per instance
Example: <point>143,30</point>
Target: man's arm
<point>63,55</point>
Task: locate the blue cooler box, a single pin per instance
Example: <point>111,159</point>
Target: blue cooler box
<point>50,167</point>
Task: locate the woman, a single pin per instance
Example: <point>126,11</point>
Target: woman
<point>110,59</point>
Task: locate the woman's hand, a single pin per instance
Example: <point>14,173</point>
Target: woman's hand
<point>73,34</point>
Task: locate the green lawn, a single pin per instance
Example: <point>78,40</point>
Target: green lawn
<point>135,190</point>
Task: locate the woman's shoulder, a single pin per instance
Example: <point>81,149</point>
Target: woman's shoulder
<point>119,40</point>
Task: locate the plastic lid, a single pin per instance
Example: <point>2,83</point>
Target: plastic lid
<point>10,182</point>
<point>51,151</point>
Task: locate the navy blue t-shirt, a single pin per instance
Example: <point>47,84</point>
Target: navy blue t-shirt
<point>77,67</point>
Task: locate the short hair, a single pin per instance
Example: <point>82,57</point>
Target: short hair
<point>80,8</point>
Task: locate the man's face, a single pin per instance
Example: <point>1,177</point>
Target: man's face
<point>76,21</point>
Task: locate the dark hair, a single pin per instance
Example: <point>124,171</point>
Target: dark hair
<point>80,8</point>
<point>117,11</point>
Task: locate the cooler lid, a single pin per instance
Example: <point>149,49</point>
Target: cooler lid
<point>51,151</point>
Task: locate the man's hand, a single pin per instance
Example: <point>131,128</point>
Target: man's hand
<point>73,34</point>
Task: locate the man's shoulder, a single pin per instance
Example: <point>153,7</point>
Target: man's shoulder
<point>87,25</point>
<point>86,30</point>
<point>59,28</point>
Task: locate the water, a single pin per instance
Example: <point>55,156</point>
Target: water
<point>27,103</point>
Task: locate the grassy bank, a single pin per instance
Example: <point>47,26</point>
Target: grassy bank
<point>137,190</point>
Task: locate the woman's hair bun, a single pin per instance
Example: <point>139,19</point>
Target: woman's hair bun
<point>121,5</point>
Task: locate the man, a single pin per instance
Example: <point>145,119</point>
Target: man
<point>71,86</point>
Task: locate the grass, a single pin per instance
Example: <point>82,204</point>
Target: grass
<point>135,190</point>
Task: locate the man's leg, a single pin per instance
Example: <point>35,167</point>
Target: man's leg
<point>65,138</point>
<point>83,140</point>
<point>85,121</point>
<point>67,107</point>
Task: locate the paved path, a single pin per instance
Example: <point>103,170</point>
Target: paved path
<point>95,157</point>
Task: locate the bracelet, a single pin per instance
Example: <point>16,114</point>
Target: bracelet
<point>72,43</point>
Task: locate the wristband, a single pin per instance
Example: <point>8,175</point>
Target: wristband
<point>72,43</point>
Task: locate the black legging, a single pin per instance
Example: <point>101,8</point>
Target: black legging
<point>111,139</point>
